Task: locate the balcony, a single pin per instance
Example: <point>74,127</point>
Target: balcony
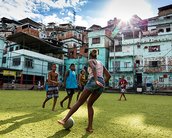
<point>131,41</point>
<point>121,69</point>
<point>121,54</point>
<point>150,39</point>
<point>160,22</point>
<point>155,69</point>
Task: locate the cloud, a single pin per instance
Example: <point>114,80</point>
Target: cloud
<point>60,11</point>
<point>18,9</point>
<point>70,14</point>
<point>80,21</point>
<point>51,18</point>
<point>60,4</point>
<point>54,18</point>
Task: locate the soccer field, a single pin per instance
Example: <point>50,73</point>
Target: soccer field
<point>21,116</point>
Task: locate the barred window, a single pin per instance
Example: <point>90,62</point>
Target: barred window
<point>4,59</point>
<point>154,48</point>
<point>16,61</point>
<point>28,63</point>
<point>154,63</point>
<point>126,64</point>
<point>118,48</point>
<point>96,40</point>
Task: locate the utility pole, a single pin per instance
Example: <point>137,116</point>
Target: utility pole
<point>133,61</point>
<point>114,66</point>
<point>74,16</point>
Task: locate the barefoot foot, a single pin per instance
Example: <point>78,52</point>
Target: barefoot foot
<point>61,122</point>
<point>90,130</point>
<point>43,105</point>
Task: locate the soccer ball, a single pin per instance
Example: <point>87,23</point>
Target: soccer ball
<point>69,123</point>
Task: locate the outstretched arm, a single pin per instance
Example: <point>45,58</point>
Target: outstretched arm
<point>66,75</point>
<point>107,74</point>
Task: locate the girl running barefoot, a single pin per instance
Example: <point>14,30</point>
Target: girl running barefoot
<point>92,90</point>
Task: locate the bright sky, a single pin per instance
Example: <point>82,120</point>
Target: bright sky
<point>88,12</point>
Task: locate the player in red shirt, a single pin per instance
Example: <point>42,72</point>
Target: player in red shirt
<point>122,84</point>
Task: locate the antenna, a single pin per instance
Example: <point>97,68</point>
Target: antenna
<point>74,15</point>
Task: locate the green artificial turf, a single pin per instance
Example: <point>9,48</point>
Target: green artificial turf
<point>140,116</point>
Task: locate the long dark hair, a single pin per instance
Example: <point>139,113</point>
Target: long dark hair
<point>93,54</point>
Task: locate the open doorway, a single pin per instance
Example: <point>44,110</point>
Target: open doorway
<point>139,79</point>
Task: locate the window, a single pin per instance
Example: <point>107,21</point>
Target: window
<point>11,49</point>
<point>16,61</point>
<point>168,29</point>
<point>138,62</point>
<point>71,54</point>
<point>161,30</point>
<point>4,60</point>
<point>96,40</point>
<point>28,63</point>
<point>126,64</point>
<point>117,66</point>
<point>154,48</point>
<point>138,46</point>
<point>25,26</point>
<point>75,34</point>
<point>79,36</point>
<point>154,63</point>
<point>118,48</point>
<point>86,50</point>
<point>161,79</point>
<point>74,45</point>
<point>17,47</point>
<point>167,17</point>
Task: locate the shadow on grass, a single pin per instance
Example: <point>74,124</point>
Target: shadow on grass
<point>86,135</point>
<point>60,134</point>
<point>18,121</point>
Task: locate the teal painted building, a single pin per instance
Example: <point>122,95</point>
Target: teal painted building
<point>28,64</point>
<point>2,45</point>
<point>100,40</point>
<point>80,63</point>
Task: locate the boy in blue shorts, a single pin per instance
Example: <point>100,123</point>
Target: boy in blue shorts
<point>52,87</point>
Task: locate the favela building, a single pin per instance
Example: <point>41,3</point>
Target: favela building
<point>140,49</point>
